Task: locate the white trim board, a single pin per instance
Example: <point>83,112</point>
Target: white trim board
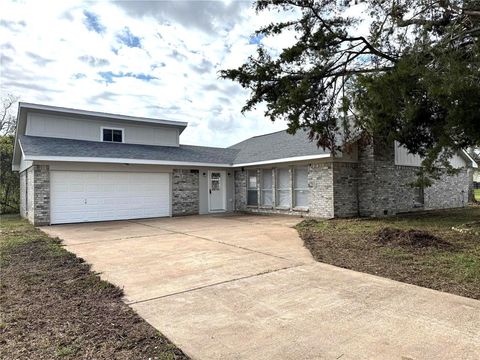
<point>474,163</point>
<point>122,161</point>
<point>166,162</point>
<point>290,159</point>
<point>112,128</point>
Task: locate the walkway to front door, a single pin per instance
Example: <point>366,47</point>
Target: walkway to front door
<point>244,287</point>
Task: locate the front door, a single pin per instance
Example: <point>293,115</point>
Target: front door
<point>216,190</point>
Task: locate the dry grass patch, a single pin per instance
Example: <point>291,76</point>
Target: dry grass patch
<point>54,307</point>
<point>420,249</point>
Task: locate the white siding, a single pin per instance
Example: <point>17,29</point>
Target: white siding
<point>403,157</point>
<point>85,129</point>
<point>476,176</point>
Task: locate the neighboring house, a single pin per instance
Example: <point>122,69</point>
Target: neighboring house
<point>476,177</point>
<point>79,166</point>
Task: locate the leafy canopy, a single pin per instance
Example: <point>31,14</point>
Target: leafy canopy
<point>414,76</point>
<point>9,180</point>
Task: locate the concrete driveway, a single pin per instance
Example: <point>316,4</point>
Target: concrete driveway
<point>244,287</point>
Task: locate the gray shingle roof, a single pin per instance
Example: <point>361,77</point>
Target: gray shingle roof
<point>274,146</point>
<point>43,146</point>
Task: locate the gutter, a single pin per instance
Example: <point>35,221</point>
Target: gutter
<point>168,163</point>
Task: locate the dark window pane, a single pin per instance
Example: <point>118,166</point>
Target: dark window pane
<point>107,135</point>
<point>117,135</point>
<point>252,197</point>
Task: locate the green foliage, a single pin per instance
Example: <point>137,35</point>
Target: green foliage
<point>414,78</point>
<point>9,180</point>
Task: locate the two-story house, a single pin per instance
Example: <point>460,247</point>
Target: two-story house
<point>80,166</point>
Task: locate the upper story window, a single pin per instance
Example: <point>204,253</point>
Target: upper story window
<point>112,135</point>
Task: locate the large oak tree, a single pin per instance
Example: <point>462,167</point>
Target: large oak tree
<point>414,76</point>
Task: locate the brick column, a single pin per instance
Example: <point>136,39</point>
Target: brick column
<point>240,190</point>
<point>41,195</point>
<point>185,192</point>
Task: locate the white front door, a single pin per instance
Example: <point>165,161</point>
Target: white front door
<point>216,190</point>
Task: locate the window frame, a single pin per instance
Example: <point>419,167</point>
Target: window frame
<point>263,190</point>
<point>251,188</point>
<point>112,128</point>
<point>297,189</point>
<point>278,189</point>
<point>419,197</point>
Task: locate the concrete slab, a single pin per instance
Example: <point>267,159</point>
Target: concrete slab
<point>318,311</point>
<point>155,266</point>
<point>244,287</point>
<point>191,223</point>
<point>100,231</point>
<point>279,220</point>
<point>275,240</point>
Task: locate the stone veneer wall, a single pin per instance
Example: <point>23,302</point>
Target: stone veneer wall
<point>449,191</point>
<point>377,180</point>
<point>374,186</point>
<point>366,180</point>
<point>405,194</point>
<point>240,190</point>
<point>384,188</point>
<point>345,189</point>
<point>42,194</point>
<point>320,183</point>
<point>35,187</point>
<point>185,192</point>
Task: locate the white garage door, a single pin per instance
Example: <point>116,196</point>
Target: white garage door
<point>98,196</point>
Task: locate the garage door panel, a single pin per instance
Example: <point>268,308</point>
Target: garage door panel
<point>100,196</point>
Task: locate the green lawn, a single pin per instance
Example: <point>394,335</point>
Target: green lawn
<point>477,194</point>
<point>421,249</point>
<point>54,307</point>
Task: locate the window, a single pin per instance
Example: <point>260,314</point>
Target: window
<point>112,135</point>
<point>283,188</point>
<point>252,195</point>
<point>418,197</point>
<point>267,195</point>
<point>300,187</point>
<point>215,179</point>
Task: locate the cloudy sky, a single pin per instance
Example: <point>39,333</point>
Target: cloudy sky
<point>141,58</point>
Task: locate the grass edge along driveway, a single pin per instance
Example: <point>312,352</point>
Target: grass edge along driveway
<point>438,250</point>
<point>54,307</point>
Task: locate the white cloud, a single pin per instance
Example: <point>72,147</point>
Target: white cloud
<point>59,61</point>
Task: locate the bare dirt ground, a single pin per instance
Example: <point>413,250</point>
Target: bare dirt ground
<point>439,250</point>
<point>54,307</point>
